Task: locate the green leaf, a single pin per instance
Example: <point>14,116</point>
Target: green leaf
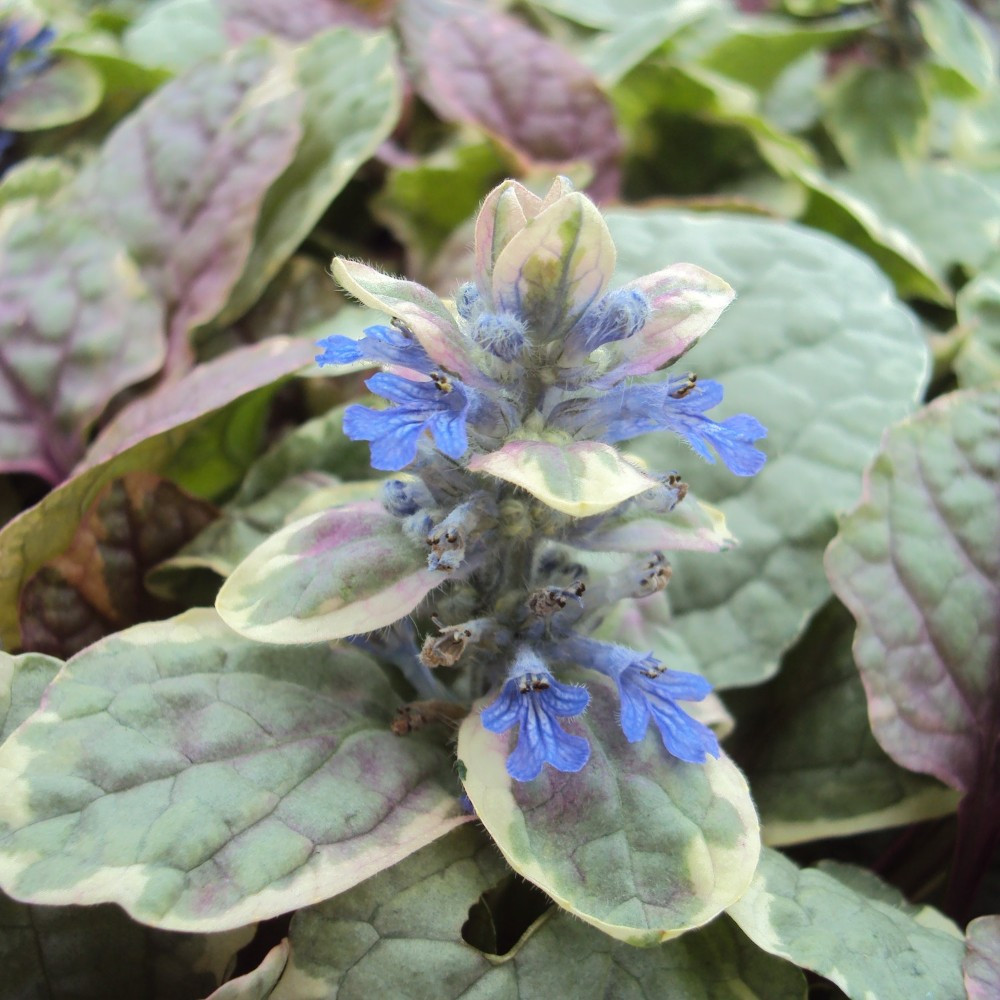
<point>656,846</point>
<point>982,958</point>
<point>22,680</point>
<point>401,935</point>
<point>961,55</point>
<point>34,177</point>
<point>176,35</point>
<point>756,50</point>
<point>95,586</point>
<point>231,127</point>
<point>70,953</point>
<point>336,573</point>
<point>77,325</point>
<point>917,564</point>
<point>806,744</point>
<point>351,93</point>
<point>202,782</point>
<point>878,112</point>
<point>425,203</point>
<point>948,212</point>
<point>978,362</point>
<point>870,943</point>
<point>580,478</point>
<point>148,435</point>
<point>834,209</point>
<point>65,92</point>
<point>824,372</point>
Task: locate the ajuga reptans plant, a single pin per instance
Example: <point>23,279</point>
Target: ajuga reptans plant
<point>523,387</point>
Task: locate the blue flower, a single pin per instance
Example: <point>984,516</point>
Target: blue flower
<point>502,334</point>
<point>677,405</point>
<point>616,316</point>
<point>534,700</point>
<point>385,344</point>
<point>439,406</point>
<point>649,690</point>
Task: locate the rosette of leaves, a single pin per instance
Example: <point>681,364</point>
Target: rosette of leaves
<point>514,527</point>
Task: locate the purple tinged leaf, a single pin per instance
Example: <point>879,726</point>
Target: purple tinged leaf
<point>297,22</point>
<point>182,180</point>
<point>982,958</point>
<point>917,562</point>
<point>420,309</point>
<point>686,301</point>
<point>692,527</point>
<point>533,95</point>
<point>67,91</point>
<point>337,573</point>
<point>147,435</point>
<point>77,325</point>
<point>555,267</point>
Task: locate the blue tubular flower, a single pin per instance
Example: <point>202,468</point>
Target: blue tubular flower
<point>617,316</point>
<point>677,405</point>
<point>533,699</point>
<point>439,406</point>
<point>501,334</point>
<point>384,344</point>
<point>467,300</point>
<point>648,689</point>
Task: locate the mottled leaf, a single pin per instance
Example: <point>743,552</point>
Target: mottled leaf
<point>203,782</point>
<point>479,66</point>
<point>692,526</point>
<point>978,362</point>
<point>876,112</point>
<point>335,573</point>
<point>352,94</point>
<point>824,372</point>
<point>182,180</point>
<point>401,934</point>
<point>22,680</point>
<point>917,563</point>
<point>77,324</point>
<point>65,92</point>
<point>69,953</point>
<point>982,958</point>
<point>34,177</point>
<point>806,745</point>
<point>869,944</point>
<point>95,587</point>
<point>148,435</point>
<point>656,846</point>
<point>241,528</point>
<point>580,478</point>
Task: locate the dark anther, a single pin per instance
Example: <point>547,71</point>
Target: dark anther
<point>441,381</point>
<point>402,327</point>
<point>690,380</point>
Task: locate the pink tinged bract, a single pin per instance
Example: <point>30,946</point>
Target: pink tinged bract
<point>686,301</point>
<point>337,573</point>
<point>504,213</point>
<point>555,267</point>
<point>692,527</point>
<point>419,308</point>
